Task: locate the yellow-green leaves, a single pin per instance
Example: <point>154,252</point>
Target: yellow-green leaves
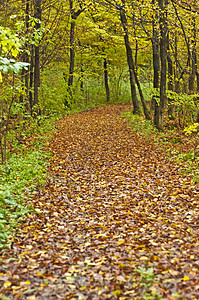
<point>194,128</point>
<point>9,42</point>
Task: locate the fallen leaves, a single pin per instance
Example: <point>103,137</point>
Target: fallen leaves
<point>116,220</point>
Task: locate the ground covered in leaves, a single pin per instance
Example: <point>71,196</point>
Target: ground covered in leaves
<point>115,220</point>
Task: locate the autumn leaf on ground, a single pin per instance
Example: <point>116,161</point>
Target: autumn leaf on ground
<point>116,220</point>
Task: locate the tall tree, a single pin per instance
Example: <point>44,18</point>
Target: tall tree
<point>156,58</point>
<point>136,107</point>
<point>74,15</point>
<point>106,80</point>
<point>37,15</point>
<point>160,108</point>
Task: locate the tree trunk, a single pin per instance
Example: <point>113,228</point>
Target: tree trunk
<point>176,73</point>
<point>27,8</point>
<point>82,79</point>
<point>72,53</point>
<point>136,108</point>
<point>106,80</point>
<point>170,80</point>
<point>193,57</point>
<point>163,54</point>
<point>25,57</point>
<point>74,16</point>
<point>31,79</point>
<point>37,56</point>
<point>156,63</point>
<point>146,112</point>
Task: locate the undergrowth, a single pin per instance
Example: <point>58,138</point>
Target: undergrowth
<point>167,141</point>
<point>25,169</point>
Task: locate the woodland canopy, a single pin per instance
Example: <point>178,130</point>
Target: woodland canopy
<point>63,56</point>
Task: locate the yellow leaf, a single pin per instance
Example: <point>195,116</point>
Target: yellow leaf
<point>25,283</point>
<point>7,284</point>
<point>14,52</point>
<point>1,78</point>
<point>29,247</point>
<point>144,258</point>
<point>4,42</point>
<point>31,298</point>
<point>121,242</point>
<point>185,278</point>
<point>129,292</point>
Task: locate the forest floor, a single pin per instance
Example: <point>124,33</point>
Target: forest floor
<point>116,220</point>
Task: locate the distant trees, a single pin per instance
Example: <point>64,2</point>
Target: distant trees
<point>76,52</point>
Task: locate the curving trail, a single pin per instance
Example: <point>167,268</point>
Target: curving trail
<point>116,220</point>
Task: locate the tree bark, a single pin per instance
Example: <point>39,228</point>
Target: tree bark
<point>176,73</point>
<point>136,108</point>
<point>74,16</point>
<point>159,120</point>
<point>72,52</point>
<point>27,8</point>
<point>106,80</point>
<point>25,57</point>
<point>193,57</point>
<point>31,79</point>
<point>170,80</point>
<point>37,54</point>
<point>146,112</point>
<point>156,63</point>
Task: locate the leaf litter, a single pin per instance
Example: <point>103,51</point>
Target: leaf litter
<point>116,220</point>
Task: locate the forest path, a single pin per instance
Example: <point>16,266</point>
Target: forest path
<point>116,220</point>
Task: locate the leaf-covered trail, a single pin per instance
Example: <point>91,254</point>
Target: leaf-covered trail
<point>115,221</point>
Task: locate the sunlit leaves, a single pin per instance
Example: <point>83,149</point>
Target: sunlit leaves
<point>9,41</point>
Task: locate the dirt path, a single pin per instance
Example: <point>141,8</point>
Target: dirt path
<point>115,221</point>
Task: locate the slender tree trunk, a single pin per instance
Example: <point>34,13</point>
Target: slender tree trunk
<point>82,79</point>
<point>136,108</point>
<point>31,79</point>
<point>163,54</point>
<point>156,63</point>
<point>74,16</point>
<point>106,80</point>
<point>37,54</point>
<point>176,73</point>
<point>197,76</point>
<point>170,80</point>
<point>193,57</point>
<point>72,52</point>
<point>146,112</point>
<point>26,55</point>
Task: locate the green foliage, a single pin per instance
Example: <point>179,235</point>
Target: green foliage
<point>53,91</point>
<point>24,170</point>
<point>10,65</point>
<point>193,131</point>
<point>139,124</point>
<point>189,162</point>
<point>9,42</point>
<point>185,105</point>
<point>147,280</point>
<point>193,128</point>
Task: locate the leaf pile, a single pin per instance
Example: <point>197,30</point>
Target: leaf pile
<point>116,220</point>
